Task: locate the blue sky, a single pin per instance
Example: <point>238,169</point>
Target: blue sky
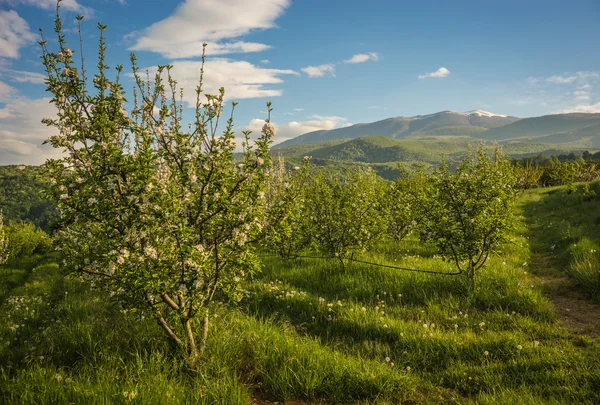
<point>323,63</point>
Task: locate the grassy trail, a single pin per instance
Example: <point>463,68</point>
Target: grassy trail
<point>557,221</point>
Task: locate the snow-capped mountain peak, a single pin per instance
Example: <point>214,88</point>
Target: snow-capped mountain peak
<point>482,113</point>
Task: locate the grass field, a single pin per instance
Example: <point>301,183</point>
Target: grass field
<point>309,332</point>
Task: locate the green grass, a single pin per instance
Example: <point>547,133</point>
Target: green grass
<point>310,331</point>
<point>565,234</point>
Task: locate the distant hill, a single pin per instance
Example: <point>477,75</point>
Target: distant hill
<point>586,137</point>
<point>383,154</point>
<point>575,130</point>
<point>541,126</point>
<point>403,127</point>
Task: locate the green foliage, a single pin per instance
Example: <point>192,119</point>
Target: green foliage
<point>587,193</point>
<point>345,213</point>
<point>22,196</point>
<point>159,217</point>
<point>285,224</point>
<point>25,239</point>
<point>402,199</point>
<point>467,213</point>
<point>528,175</point>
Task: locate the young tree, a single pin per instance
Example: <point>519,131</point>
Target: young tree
<point>285,227</point>
<point>159,216</point>
<point>345,213</point>
<point>470,210</point>
<point>528,175</point>
<point>402,200</point>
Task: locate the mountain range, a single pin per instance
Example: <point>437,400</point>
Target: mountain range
<point>577,130</point>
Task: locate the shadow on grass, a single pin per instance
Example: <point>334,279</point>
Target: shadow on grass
<point>557,223</point>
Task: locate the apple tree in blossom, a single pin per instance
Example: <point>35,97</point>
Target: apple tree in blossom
<point>158,213</point>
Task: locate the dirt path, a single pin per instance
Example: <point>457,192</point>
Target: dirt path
<point>575,310</point>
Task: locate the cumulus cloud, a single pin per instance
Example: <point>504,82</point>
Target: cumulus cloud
<point>441,72</point>
<point>561,79</point>
<point>14,34</point>
<point>567,92</point>
<point>584,108</point>
<point>70,5</point>
<point>320,71</point>
<point>580,77</point>
<point>216,22</point>
<point>363,57</point>
<point>582,95</point>
<point>240,79</point>
<point>6,92</point>
<point>22,76</point>
<point>296,128</point>
<point>22,133</point>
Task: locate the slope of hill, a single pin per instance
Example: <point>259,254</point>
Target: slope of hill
<point>383,154</point>
<point>587,137</point>
<point>541,126</point>
<point>402,127</point>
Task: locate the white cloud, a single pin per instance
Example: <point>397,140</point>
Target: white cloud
<point>69,5</point>
<point>65,5</point>
<point>441,72</point>
<point>14,34</point>
<point>298,109</point>
<point>320,71</point>
<point>582,95</point>
<point>265,61</point>
<point>213,21</point>
<point>188,50</point>
<point>566,78</point>
<point>22,133</point>
<point>6,92</point>
<point>240,79</point>
<point>293,129</point>
<point>363,57</point>
<point>22,76</point>
<point>561,79</point>
<point>584,108</point>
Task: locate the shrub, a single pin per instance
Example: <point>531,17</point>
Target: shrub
<point>25,239</point>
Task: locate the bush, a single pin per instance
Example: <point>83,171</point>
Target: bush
<point>25,239</point>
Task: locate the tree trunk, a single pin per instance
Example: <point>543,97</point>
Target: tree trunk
<point>204,336</point>
<point>192,348</point>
